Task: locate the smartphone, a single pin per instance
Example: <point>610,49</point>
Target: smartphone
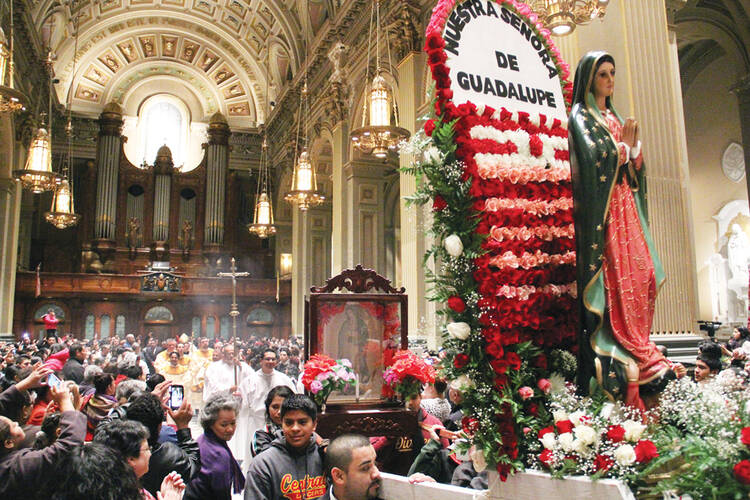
<point>176,395</point>
<point>53,381</point>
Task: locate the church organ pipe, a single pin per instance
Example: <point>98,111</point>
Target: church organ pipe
<point>217,161</point>
<point>108,156</point>
<point>161,207</point>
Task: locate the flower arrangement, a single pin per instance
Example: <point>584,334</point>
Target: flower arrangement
<point>703,435</point>
<point>322,375</point>
<point>499,186</point>
<point>406,375</point>
<point>592,437</point>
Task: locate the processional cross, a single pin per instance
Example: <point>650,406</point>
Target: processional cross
<point>234,312</point>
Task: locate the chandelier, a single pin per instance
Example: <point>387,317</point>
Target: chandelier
<point>37,175</point>
<point>378,136</point>
<point>562,16</point>
<point>262,225</point>
<point>62,213</point>
<point>11,100</point>
<point>304,189</point>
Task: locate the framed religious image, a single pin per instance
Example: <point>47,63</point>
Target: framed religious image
<point>364,328</point>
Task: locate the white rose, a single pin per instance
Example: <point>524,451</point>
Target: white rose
<point>580,447</point>
<point>462,383</point>
<point>480,109</point>
<point>633,430</point>
<point>477,458</point>
<point>575,417</point>
<point>585,434</point>
<point>433,155</point>
<point>548,440</point>
<point>566,441</point>
<point>625,455</point>
<point>459,330</point>
<point>559,415</point>
<point>453,245</point>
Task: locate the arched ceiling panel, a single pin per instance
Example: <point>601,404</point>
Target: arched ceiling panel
<point>224,39</point>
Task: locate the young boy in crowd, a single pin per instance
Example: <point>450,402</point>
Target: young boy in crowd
<point>293,466</point>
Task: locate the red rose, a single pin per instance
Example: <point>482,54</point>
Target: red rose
<point>746,436</point>
<point>536,145</point>
<point>742,471</point>
<point>546,457</point>
<point>564,426</point>
<point>513,360</point>
<point>616,433</point>
<point>544,385</point>
<point>439,204</point>
<point>469,425</point>
<point>436,56</point>
<point>645,451</point>
<point>534,410</point>
<point>445,94</point>
<point>460,360</point>
<point>603,463</point>
<point>429,127</point>
<point>544,431</point>
<point>457,304</point>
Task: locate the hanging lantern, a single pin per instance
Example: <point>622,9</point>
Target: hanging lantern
<point>37,175</point>
<point>62,215</point>
<point>304,184</point>
<point>380,103</point>
<point>562,16</point>
<point>377,136</point>
<point>262,225</point>
<point>11,100</point>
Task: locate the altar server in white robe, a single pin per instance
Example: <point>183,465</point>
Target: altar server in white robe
<point>254,392</point>
<point>220,378</point>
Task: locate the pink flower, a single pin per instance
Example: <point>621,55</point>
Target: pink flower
<point>526,392</point>
<point>544,385</point>
<point>316,386</point>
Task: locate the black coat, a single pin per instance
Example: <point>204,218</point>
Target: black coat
<point>183,458</point>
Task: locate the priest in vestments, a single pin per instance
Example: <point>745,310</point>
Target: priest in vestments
<point>199,361</point>
<point>255,390</point>
<point>220,377</point>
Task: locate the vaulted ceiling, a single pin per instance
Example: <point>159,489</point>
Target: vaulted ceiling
<point>217,51</point>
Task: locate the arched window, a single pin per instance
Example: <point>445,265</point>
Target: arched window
<point>104,327</point>
<point>164,120</point>
<point>89,326</point>
<point>210,327</point>
<point>196,326</point>
<point>224,327</point>
<point>159,314</point>
<point>120,325</point>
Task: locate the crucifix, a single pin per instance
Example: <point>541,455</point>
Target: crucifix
<point>234,312</point>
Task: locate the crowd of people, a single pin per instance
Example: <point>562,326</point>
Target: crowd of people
<point>112,419</point>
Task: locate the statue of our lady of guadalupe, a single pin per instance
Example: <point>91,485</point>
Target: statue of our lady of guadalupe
<point>619,272</point>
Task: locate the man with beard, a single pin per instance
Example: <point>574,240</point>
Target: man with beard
<point>350,463</point>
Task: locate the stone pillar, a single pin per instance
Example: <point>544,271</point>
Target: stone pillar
<point>163,169</point>
<point>341,257</point>
<point>217,161</point>
<point>10,214</point>
<point>108,164</point>
<point>742,91</point>
<point>648,88</point>
<point>300,269</point>
<point>414,223</point>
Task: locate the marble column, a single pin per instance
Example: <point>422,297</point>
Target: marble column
<point>742,91</point>
<point>341,257</point>
<point>414,220</point>
<point>300,268</point>
<point>108,165</point>
<point>10,212</point>
<point>217,161</point>
<point>637,35</point>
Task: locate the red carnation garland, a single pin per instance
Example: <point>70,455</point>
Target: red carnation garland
<point>525,299</point>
